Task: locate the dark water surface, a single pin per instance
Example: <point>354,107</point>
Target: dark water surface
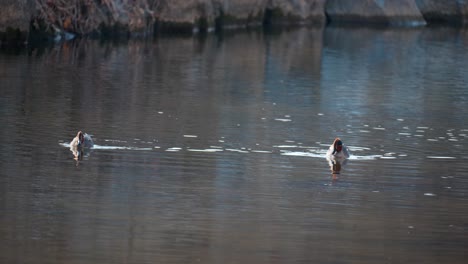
<point>212,150</point>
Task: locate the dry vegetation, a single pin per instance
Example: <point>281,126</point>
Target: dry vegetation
<point>85,16</point>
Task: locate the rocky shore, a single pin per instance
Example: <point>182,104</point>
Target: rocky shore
<point>21,20</point>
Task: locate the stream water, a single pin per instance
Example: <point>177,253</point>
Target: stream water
<point>211,150</point>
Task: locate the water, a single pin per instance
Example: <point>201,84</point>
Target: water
<point>212,150</point>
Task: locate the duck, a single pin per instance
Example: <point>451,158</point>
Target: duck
<point>82,140</point>
<point>338,150</point>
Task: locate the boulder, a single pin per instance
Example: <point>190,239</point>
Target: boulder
<point>139,16</point>
<point>448,11</point>
<point>15,16</point>
<point>295,12</point>
<point>391,12</point>
<point>206,14</point>
<point>232,13</point>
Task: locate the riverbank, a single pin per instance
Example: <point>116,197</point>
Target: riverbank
<point>38,20</point>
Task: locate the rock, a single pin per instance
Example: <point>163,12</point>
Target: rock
<point>141,17</point>
<point>15,16</point>
<point>184,15</point>
<point>448,11</point>
<point>391,12</point>
<point>241,13</point>
<point>207,15</point>
<point>311,12</point>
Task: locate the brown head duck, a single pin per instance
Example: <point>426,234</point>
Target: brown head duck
<point>82,140</point>
<point>338,150</point>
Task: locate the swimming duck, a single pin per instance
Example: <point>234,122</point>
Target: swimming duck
<point>82,140</point>
<point>338,150</point>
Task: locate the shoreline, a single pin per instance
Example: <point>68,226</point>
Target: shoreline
<point>36,23</point>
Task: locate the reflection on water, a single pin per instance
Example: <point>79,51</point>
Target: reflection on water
<point>77,154</point>
<point>213,150</point>
<point>335,166</point>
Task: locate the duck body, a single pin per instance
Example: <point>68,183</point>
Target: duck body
<point>338,150</point>
<point>82,140</point>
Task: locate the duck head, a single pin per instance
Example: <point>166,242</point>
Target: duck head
<point>80,137</point>
<point>337,146</point>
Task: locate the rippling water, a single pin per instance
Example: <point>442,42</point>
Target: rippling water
<point>212,150</point>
